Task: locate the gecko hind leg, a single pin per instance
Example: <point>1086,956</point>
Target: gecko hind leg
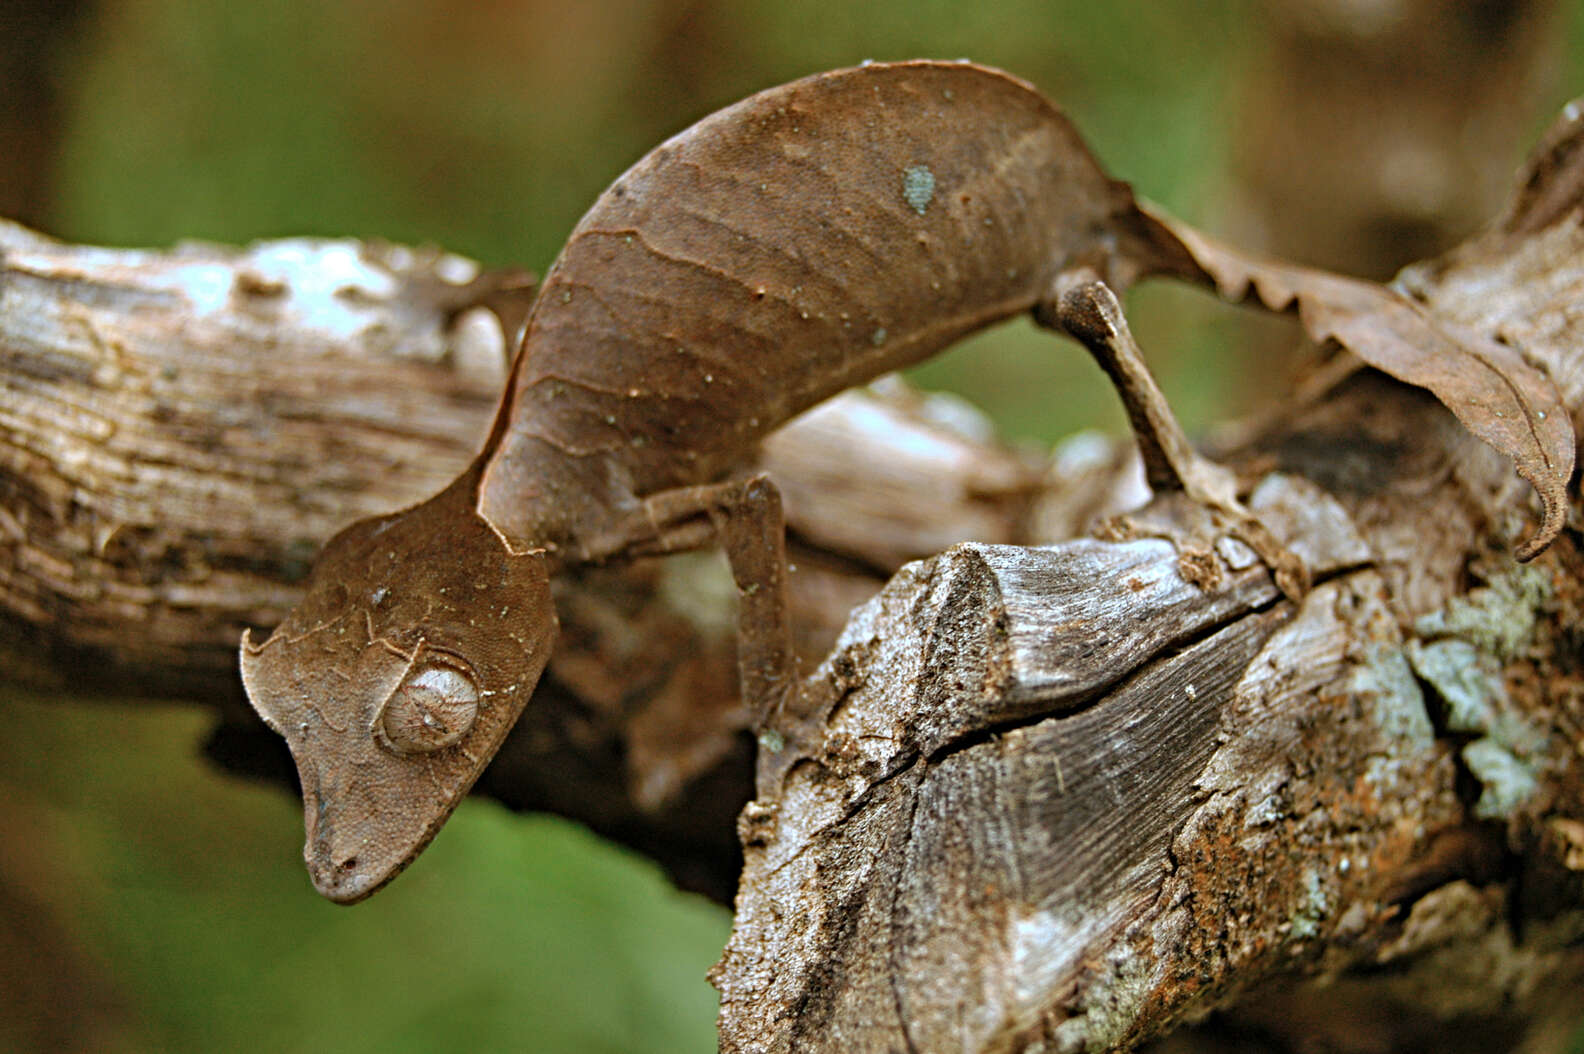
<point>1086,309</point>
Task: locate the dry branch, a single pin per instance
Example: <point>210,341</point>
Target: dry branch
<point>1058,798</point>
<point>1064,799</point>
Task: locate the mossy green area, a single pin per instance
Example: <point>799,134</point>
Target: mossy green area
<point>151,902</point>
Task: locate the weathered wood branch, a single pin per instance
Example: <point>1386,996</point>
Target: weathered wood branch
<point>1035,798</point>
<point>1058,799</point>
<point>181,431</point>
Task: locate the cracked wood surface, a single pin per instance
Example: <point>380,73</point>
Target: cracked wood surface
<point>1019,811</point>
<point>1319,799</point>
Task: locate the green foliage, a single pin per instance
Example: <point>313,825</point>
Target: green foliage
<point>183,891</point>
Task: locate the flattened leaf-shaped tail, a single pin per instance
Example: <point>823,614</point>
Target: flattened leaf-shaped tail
<point>1497,393</point>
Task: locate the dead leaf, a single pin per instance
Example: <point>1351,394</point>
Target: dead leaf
<point>1497,392</point>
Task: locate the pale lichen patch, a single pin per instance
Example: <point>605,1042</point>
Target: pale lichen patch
<point>1454,669</point>
<point>1507,781</point>
<point>1497,618</point>
<point>1313,909</point>
<point>1385,681</point>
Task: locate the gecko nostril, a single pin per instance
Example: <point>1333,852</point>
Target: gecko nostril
<point>349,863</point>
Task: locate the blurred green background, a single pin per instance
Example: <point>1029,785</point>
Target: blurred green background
<point>151,903</point>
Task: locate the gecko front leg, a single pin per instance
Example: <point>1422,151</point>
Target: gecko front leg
<point>745,517</point>
<point>1086,309</point>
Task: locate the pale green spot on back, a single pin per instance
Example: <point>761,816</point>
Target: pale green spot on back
<point>918,187</point>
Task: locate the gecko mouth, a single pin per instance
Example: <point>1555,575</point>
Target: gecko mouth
<point>348,868</point>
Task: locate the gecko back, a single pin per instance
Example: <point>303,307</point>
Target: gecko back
<point>797,243</point>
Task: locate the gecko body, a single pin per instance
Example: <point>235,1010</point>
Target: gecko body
<point>795,244</point>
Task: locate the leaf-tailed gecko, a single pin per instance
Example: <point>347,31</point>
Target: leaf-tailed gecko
<point>797,243</point>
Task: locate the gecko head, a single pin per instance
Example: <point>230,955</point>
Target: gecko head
<point>418,643</point>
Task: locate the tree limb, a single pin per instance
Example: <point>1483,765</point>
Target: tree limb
<point>1056,798</point>
<point>181,431</point>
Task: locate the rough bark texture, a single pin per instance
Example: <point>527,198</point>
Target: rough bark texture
<point>181,431</point>
<point>1016,811</point>
<point>1058,798</point>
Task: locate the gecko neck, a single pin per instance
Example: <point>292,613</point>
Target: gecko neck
<point>537,496</point>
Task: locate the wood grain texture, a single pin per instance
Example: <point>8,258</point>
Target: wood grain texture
<point>1016,813</point>
<point>181,431</point>
<point>1348,782</point>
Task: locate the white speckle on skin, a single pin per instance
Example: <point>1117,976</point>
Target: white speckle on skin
<point>918,187</point>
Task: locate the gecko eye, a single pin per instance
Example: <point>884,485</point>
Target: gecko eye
<point>434,706</point>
